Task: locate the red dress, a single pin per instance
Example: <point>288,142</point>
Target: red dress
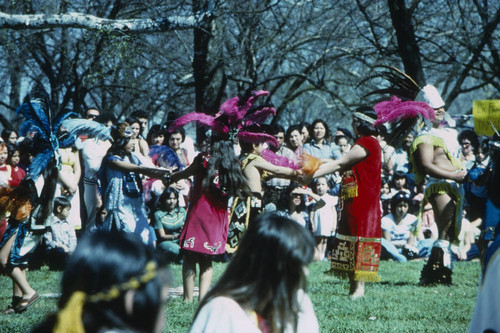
<point>357,243</point>
<point>205,229</point>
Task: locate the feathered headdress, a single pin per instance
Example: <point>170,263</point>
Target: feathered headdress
<point>401,111</point>
<point>39,118</point>
<point>233,120</point>
<point>165,157</point>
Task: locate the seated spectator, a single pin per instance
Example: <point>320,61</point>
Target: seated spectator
<point>156,136</point>
<point>262,289</point>
<point>399,183</point>
<point>60,239</point>
<point>112,283</point>
<point>168,221</point>
<point>398,228</point>
<point>385,196</point>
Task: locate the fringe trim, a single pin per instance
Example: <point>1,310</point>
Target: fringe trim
<point>443,188</point>
<point>366,276</point>
<point>358,276</point>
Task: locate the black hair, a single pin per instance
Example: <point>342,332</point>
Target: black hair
<point>328,133</point>
<point>275,129</point>
<point>156,130</point>
<point>401,196</point>
<point>338,137</point>
<point>399,175</point>
<point>289,132</point>
<point>11,149</point>
<point>364,127</point>
<point>179,130</point>
<point>165,195</point>
<point>471,136</point>
<point>308,128</point>
<point>62,202</point>
<point>105,118</point>
<point>139,114</point>
<point>97,266</point>
<point>267,271</point>
<point>6,134</point>
<point>224,164</point>
<point>290,189</point>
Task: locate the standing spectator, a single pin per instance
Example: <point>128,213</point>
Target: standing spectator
<point>263,287</point>
<point>343,143</point>
<point>276,187</point>
<point>60,239</point>
<point>469,144</point>
<point>401,155</point>
<point>324,216</point>
<point>359,230</point>
<point>294,139</point>
<point>321,145</point>
<point>305,131</point>
<point>14,158</point>
<point>9,136</point>
<point>5,169</point>
<point>175,139</point>
<point>141,148</point>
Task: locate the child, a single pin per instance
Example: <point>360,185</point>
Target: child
<point>5,169</point>
<point>324,216</point>
<point>61,238</point>
<point>168,221</point>
<point>296,209</point>
<point>14,158</point>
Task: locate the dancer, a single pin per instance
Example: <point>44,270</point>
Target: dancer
<point>122,186</point>
<point>435,153</point>
<point>356,247</point>
<point>263,287</point>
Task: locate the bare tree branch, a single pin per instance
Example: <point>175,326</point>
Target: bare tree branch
<point>91,22</point>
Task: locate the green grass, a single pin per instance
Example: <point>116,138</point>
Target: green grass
<point>396,304</point>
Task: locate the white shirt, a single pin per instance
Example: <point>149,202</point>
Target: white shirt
<point>224,315</point>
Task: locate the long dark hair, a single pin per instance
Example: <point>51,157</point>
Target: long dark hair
<point>165,195</point>
<point>267,271</point>
<point>364,127</point>
<point>224,164</point>
<point>97,266</point>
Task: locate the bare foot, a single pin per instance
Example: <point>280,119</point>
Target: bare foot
<point>357,289</point>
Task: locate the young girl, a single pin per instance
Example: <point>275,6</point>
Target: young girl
<point>14,158</point>
<point>263,287</point>
<point>168,221</point>
<point>296,209</point>
<point>324,217</point>
<point>217,176</point>
<point>5,169</point>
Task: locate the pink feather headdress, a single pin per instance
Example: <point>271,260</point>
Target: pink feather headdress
<point>234,118</point>
<point>395,110</point>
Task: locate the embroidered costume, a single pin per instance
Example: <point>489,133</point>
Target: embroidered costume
<point>243,210</point>
<point>356,248</point>
<point>205,229</point>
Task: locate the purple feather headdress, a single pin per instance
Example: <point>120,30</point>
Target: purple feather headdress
<point>233,119</point>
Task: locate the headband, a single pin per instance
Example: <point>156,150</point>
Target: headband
<point>364,117</point>
<point>69,319</point>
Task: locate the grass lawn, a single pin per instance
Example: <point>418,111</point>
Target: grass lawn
<point>396,304</point>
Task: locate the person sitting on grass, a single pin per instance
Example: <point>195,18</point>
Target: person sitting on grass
<point>398,228</point>
<point>296,209</point>
<point>263,287</point>
<point>112,283</point>
<point>61,236</point>
<point>168,221</point>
